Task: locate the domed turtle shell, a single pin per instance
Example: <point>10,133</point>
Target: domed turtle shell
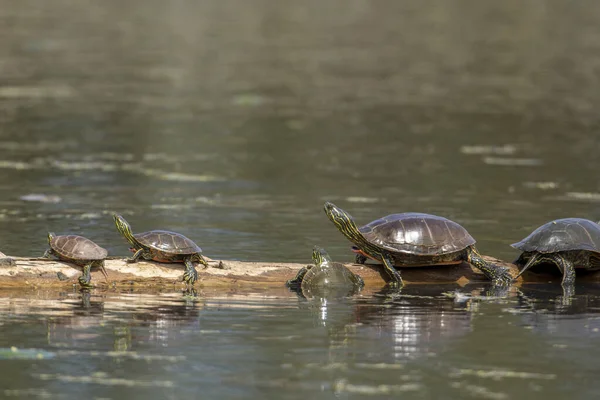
<point>562,235</point>
<point>417,233</point>
<point>167,242</point>
<point>77,248</point>
<point>331,274</point>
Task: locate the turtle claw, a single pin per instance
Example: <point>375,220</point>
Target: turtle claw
<point>360,259</point>
<point>84,283</point>
<point>501,277</point>
<point>85,279</point>
<point>395,285</point>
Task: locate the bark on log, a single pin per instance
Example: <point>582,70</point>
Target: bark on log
<point>38,272</point>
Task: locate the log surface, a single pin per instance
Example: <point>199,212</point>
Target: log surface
<point>38,272</point>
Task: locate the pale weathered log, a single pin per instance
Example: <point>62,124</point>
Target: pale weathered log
<point>38,272</point>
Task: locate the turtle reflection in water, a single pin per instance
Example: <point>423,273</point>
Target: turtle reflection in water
<point>568,243</point>
<point>413,240</point>
<point>325,278</point>
<point>162,246</point>
<point>80,251</point>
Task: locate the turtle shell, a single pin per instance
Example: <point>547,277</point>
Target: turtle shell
<point>332,274</point>
<point>334,280</point>
<point>417,233</point>
<point>562,235</point>
<point>167,242</point>
<point>77,248</point>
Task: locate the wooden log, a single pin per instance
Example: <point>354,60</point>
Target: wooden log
<point>39,272</point>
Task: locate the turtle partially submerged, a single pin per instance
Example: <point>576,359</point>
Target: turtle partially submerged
<point>568,243</point>
<point>162,246</point>
<point>325,276</point>
<point>413,240</point>
<point>80,251</point>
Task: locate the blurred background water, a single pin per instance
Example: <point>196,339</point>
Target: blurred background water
<point>232,122</point>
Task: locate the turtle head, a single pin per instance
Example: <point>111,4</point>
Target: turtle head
<point>124,228</point>
<point>51,236</point>
<point>320,256</point>
<point>343,221</point>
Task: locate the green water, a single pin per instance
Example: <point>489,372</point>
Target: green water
<point>232,123</point>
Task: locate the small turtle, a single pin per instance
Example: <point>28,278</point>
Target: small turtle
<point>325,274</point>
<point>413,240</point>
<point>80,251</point>
<point>162,246</point>
<point>568,243</point>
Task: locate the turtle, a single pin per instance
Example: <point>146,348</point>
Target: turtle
<point>162,246</point>
<point>413,239</point>
<point>80,251</point>
<point>325,276</point>
<point>568,243</point>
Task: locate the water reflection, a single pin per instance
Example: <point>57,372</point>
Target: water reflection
<point>378,343</point>
<point>545,309</point>
<point>414,321</point>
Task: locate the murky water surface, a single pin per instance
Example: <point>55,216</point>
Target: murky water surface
<point>232,122</point>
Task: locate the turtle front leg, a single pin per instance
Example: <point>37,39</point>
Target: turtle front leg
<point>190,276</point>
<point>567,269</point>
<point>136,256</point>
<point>360,258</point>
<point>497,274</point>
<point>198,257</point>
<point>48,253</point>
<point>86,277</point>
<point>395,278</point>
<point>297,281</point>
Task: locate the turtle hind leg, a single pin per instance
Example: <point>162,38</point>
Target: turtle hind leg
<point>497,274</point>
<point>190,276</point>
<point>395,278</point>
<point>86,277</point>
<point>297,281</point>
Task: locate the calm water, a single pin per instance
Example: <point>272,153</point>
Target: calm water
<point>232,122</point>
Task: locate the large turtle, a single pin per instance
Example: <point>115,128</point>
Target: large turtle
<point>568,243</point>
<point>413,240</point>
<point>80,251</point>
<point>325,277</point>
<point>163,246</point>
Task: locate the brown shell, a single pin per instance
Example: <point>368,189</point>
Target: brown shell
<point>418,234</point>
<point>167,242</point>
<point>77,248</point>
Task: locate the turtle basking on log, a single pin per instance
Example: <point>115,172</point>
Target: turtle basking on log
<point>162,246</point>
<point>413,240</point>
<point>568,243</point>
<point>80,251</point>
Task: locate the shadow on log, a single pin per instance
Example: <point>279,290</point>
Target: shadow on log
<point>32,272</point>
